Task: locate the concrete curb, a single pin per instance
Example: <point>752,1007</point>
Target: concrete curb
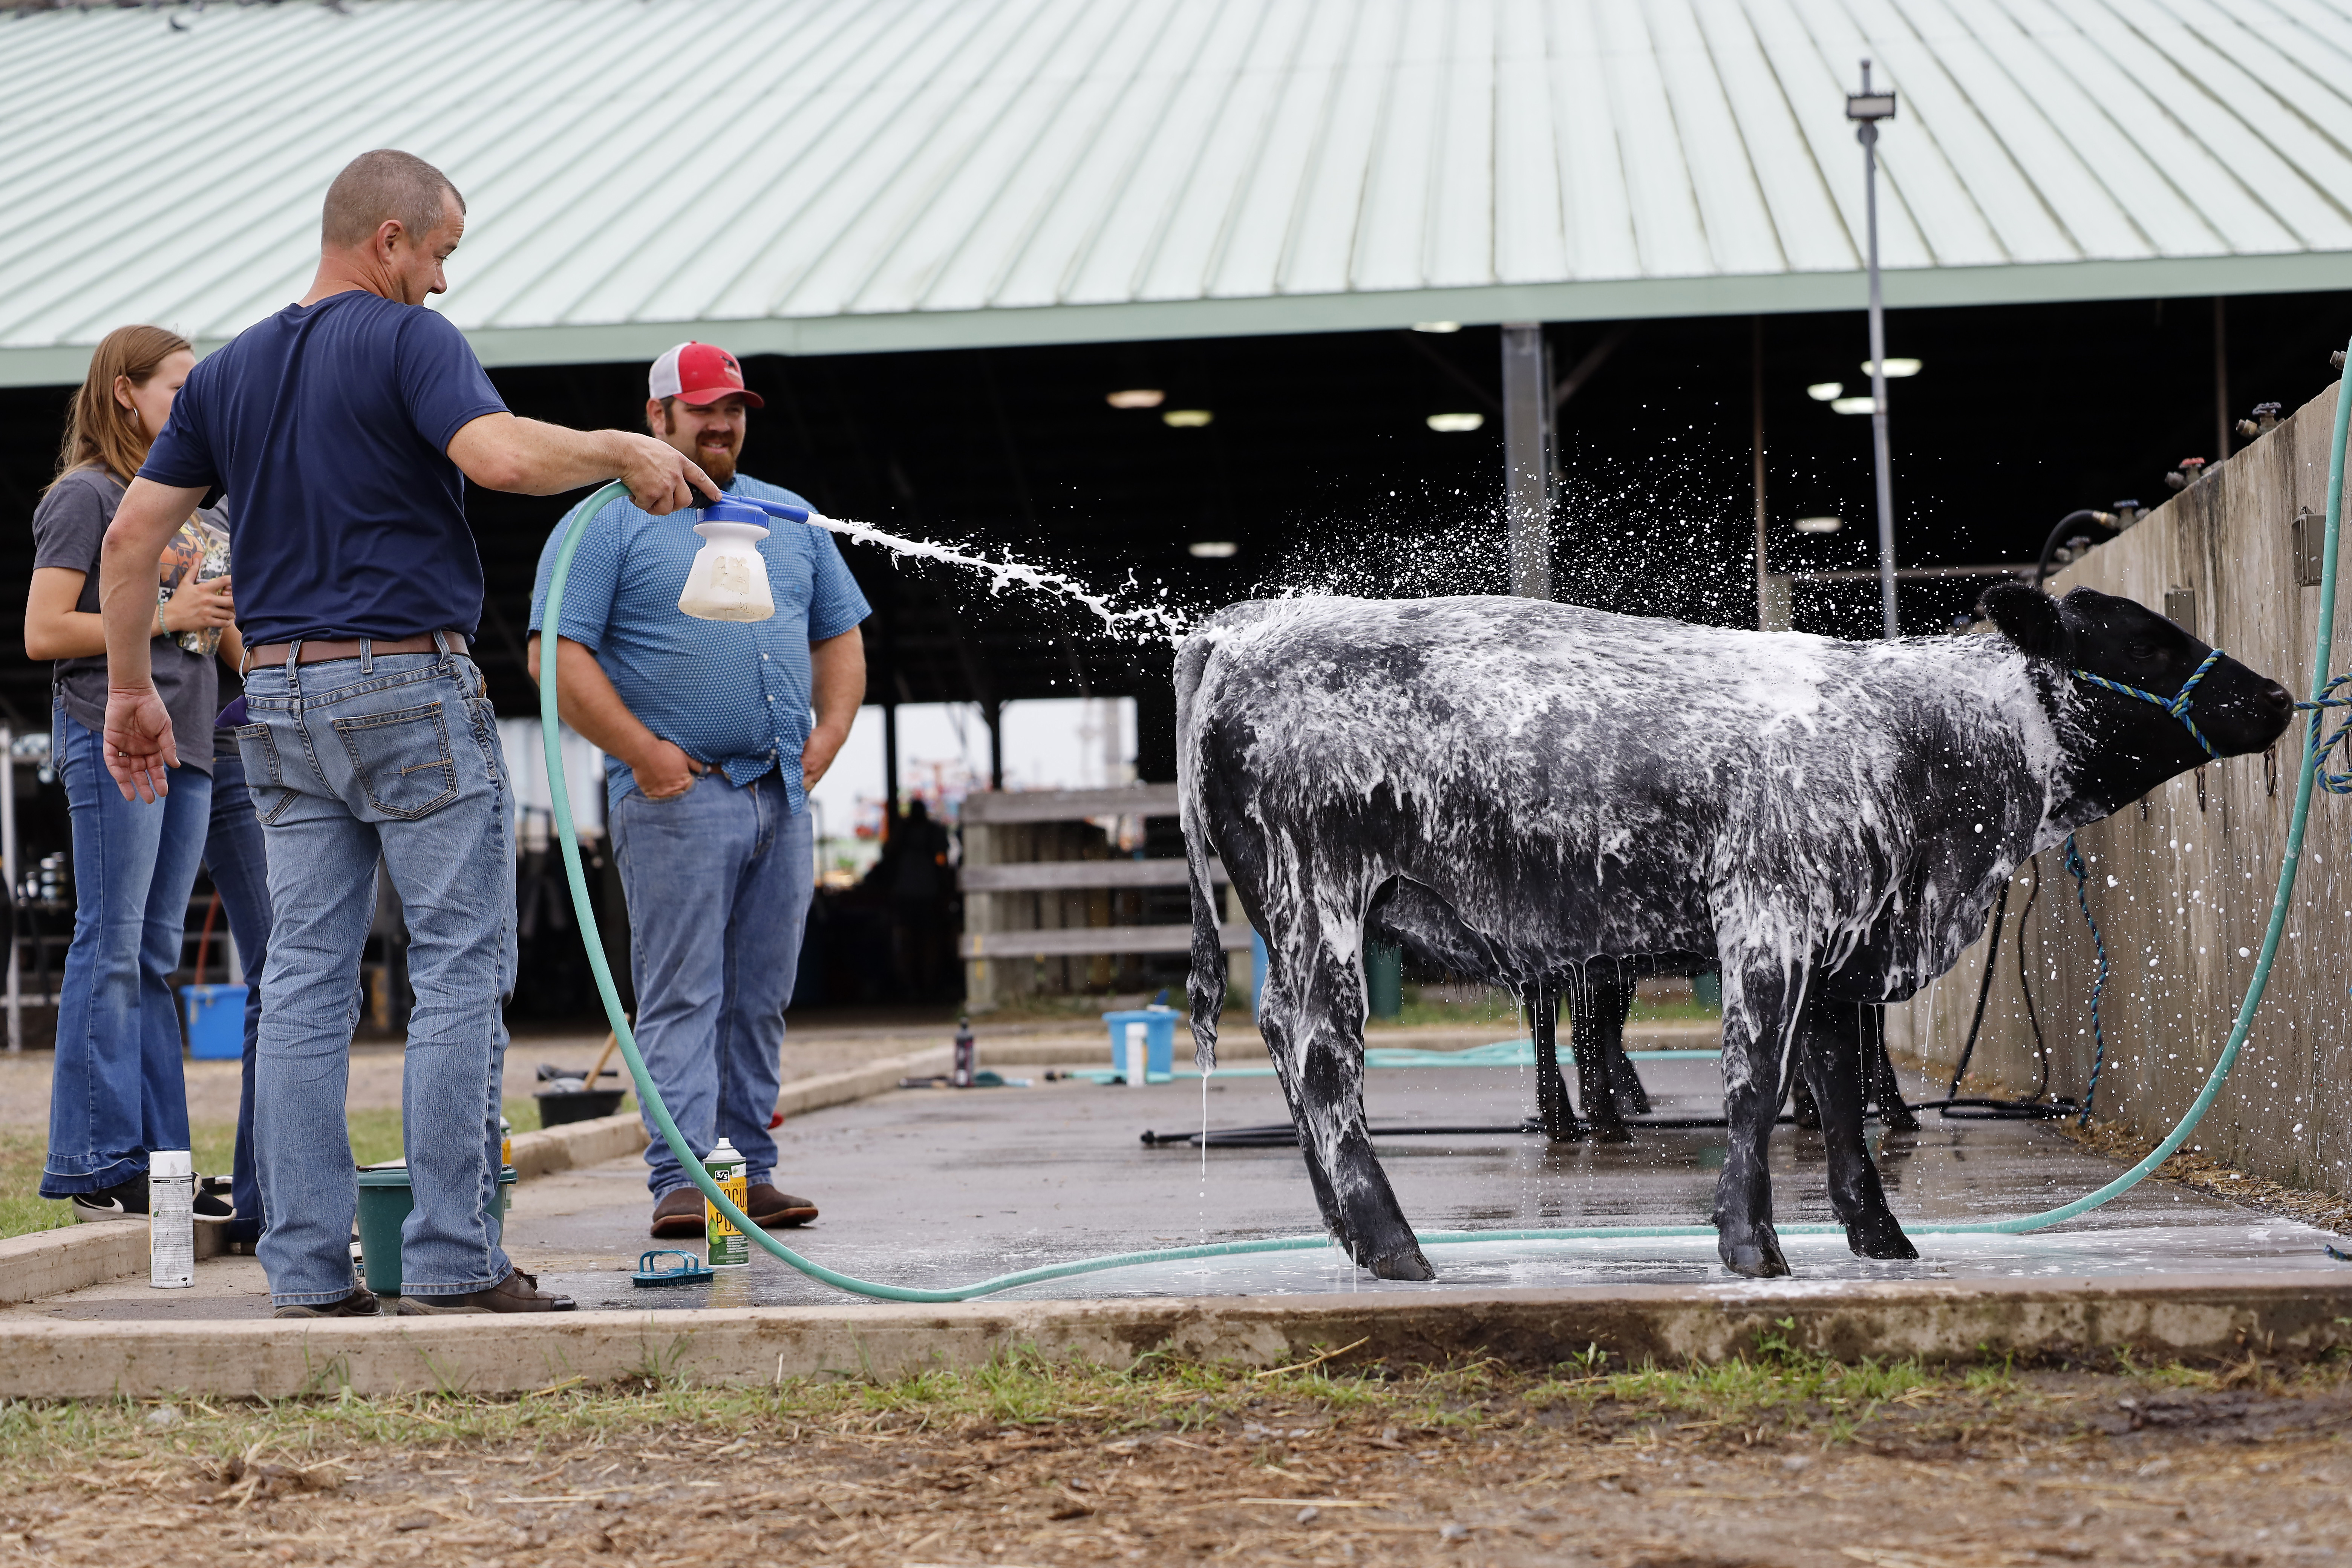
<point>51,1262</point>
<point>2201,1317</point>
<point>577,1144</point>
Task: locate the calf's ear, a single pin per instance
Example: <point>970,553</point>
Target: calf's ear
<point>2027,617</point>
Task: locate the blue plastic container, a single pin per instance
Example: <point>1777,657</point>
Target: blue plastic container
<point>1159,1039</point>
<point>216,1021</point>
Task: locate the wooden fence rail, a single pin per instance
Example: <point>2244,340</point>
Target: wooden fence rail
<point>1031,903</point>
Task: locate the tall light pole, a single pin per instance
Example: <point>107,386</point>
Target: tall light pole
<point>1869,108</point>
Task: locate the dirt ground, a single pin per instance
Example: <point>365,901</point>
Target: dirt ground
<point>1788,1462</point>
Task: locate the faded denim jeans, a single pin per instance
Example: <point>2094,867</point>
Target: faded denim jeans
<point>239,861</point>
<point>718,881</point>
<point>350,760</point>
<point>116,1090</point>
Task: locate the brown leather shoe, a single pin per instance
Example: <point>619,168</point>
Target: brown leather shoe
<point>773,1210</point>
<point>518,1292</point>
<point>360,1303</point>
<point>679,1212</point>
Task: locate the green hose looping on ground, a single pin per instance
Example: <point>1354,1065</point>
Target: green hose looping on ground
<point>648,1095</point>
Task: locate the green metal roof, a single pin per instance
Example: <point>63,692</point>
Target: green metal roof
<point>805,177</point>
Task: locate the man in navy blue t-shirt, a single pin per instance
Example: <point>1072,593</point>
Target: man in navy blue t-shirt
<point>344,427</point>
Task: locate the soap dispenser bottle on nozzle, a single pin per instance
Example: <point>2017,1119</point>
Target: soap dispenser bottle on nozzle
<point>728,580</point>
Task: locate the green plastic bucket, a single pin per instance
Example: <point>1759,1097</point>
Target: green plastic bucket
<point>384,1202</point>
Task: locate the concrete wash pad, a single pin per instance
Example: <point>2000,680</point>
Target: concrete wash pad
<point>935,1187</point>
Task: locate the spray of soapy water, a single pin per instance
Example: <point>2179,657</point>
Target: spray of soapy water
<point>1154,620</point>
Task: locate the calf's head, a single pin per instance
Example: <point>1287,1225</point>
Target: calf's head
<point>2136,743</point>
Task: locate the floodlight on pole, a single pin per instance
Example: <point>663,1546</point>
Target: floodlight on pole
<point>1867,108</point>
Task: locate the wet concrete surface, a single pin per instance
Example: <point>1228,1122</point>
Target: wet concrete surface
<point>935,1188</point>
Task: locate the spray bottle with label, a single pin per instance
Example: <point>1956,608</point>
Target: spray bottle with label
<point>171,1219</point>
<point>730,1248</point>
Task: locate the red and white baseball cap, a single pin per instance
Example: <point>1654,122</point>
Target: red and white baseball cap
<point>698,373</point>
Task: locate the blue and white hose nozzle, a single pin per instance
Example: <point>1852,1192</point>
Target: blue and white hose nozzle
<point>728,580</point>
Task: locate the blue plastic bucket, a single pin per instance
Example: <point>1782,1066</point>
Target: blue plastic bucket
<point>216,1021</point>
<point>1159,1026</point>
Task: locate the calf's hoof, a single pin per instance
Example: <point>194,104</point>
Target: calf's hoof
<point>1882,1240</point>
<point>1613,1132</point>
<point>1408,1264</point>
<point>1757,1258</point>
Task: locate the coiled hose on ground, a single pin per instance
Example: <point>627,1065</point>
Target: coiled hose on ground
<point>650,1097</point>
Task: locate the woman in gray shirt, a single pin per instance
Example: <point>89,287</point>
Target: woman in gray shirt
<point>116,1090</point>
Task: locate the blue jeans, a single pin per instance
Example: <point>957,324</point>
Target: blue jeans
<point>718,882</point>
<point>348,761</point>
<point>238,860</point>
<point>116,1091</point>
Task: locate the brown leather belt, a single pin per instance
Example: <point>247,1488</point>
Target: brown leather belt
<point>320,652</point>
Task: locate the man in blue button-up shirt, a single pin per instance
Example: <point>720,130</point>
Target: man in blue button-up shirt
<point>709,756</point>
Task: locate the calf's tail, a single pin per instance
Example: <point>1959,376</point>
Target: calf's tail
<point>1206,985</point>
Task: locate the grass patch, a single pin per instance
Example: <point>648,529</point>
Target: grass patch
<point>23,1210</point>
<point>1775,1391</point>
<point>375,1138</point>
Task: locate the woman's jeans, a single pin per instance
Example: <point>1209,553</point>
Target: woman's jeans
<point>116,1090</point>
<point>718,881</point>
<point>239,864</point>
<point>348,761</point>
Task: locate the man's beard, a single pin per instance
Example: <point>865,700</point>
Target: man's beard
<point>719,463</point>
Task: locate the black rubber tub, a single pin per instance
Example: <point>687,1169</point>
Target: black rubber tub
<point>558,1107</point>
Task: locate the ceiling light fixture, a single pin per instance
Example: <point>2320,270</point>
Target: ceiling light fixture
<point>1211,549</point>
<point>1896,368</point>
<point>1854,406</point>
<point>1138,397</point>
<point>1822,391</point>
<point>1820,524</point>
<point>1455,423</point>
<point>1437,326</point>
<point>1186,418</point>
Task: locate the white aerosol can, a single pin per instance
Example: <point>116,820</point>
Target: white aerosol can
<point>730,1248</point>
<point>171,1219</point>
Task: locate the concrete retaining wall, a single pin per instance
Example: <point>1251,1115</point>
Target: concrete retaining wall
<point>2181,885</point>
<point>2193,1317</point>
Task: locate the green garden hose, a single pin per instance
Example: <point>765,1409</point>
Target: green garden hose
<point>648,1095</point>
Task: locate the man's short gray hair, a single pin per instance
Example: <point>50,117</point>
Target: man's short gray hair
<point>382,184</point>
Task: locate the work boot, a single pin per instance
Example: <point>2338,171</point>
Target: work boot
<point>360,1303</point>
<point>518,1292</point>
<point>773,1210</point>
<point>679,1212</point>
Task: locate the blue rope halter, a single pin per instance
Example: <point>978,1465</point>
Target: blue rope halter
<point>2321,751</point>
<point>2176,705</point>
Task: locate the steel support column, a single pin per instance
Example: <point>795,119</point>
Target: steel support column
<point>889,771</point>
<point>1527,457</point>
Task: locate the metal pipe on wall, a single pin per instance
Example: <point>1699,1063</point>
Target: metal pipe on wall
<point>1527,456</point>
